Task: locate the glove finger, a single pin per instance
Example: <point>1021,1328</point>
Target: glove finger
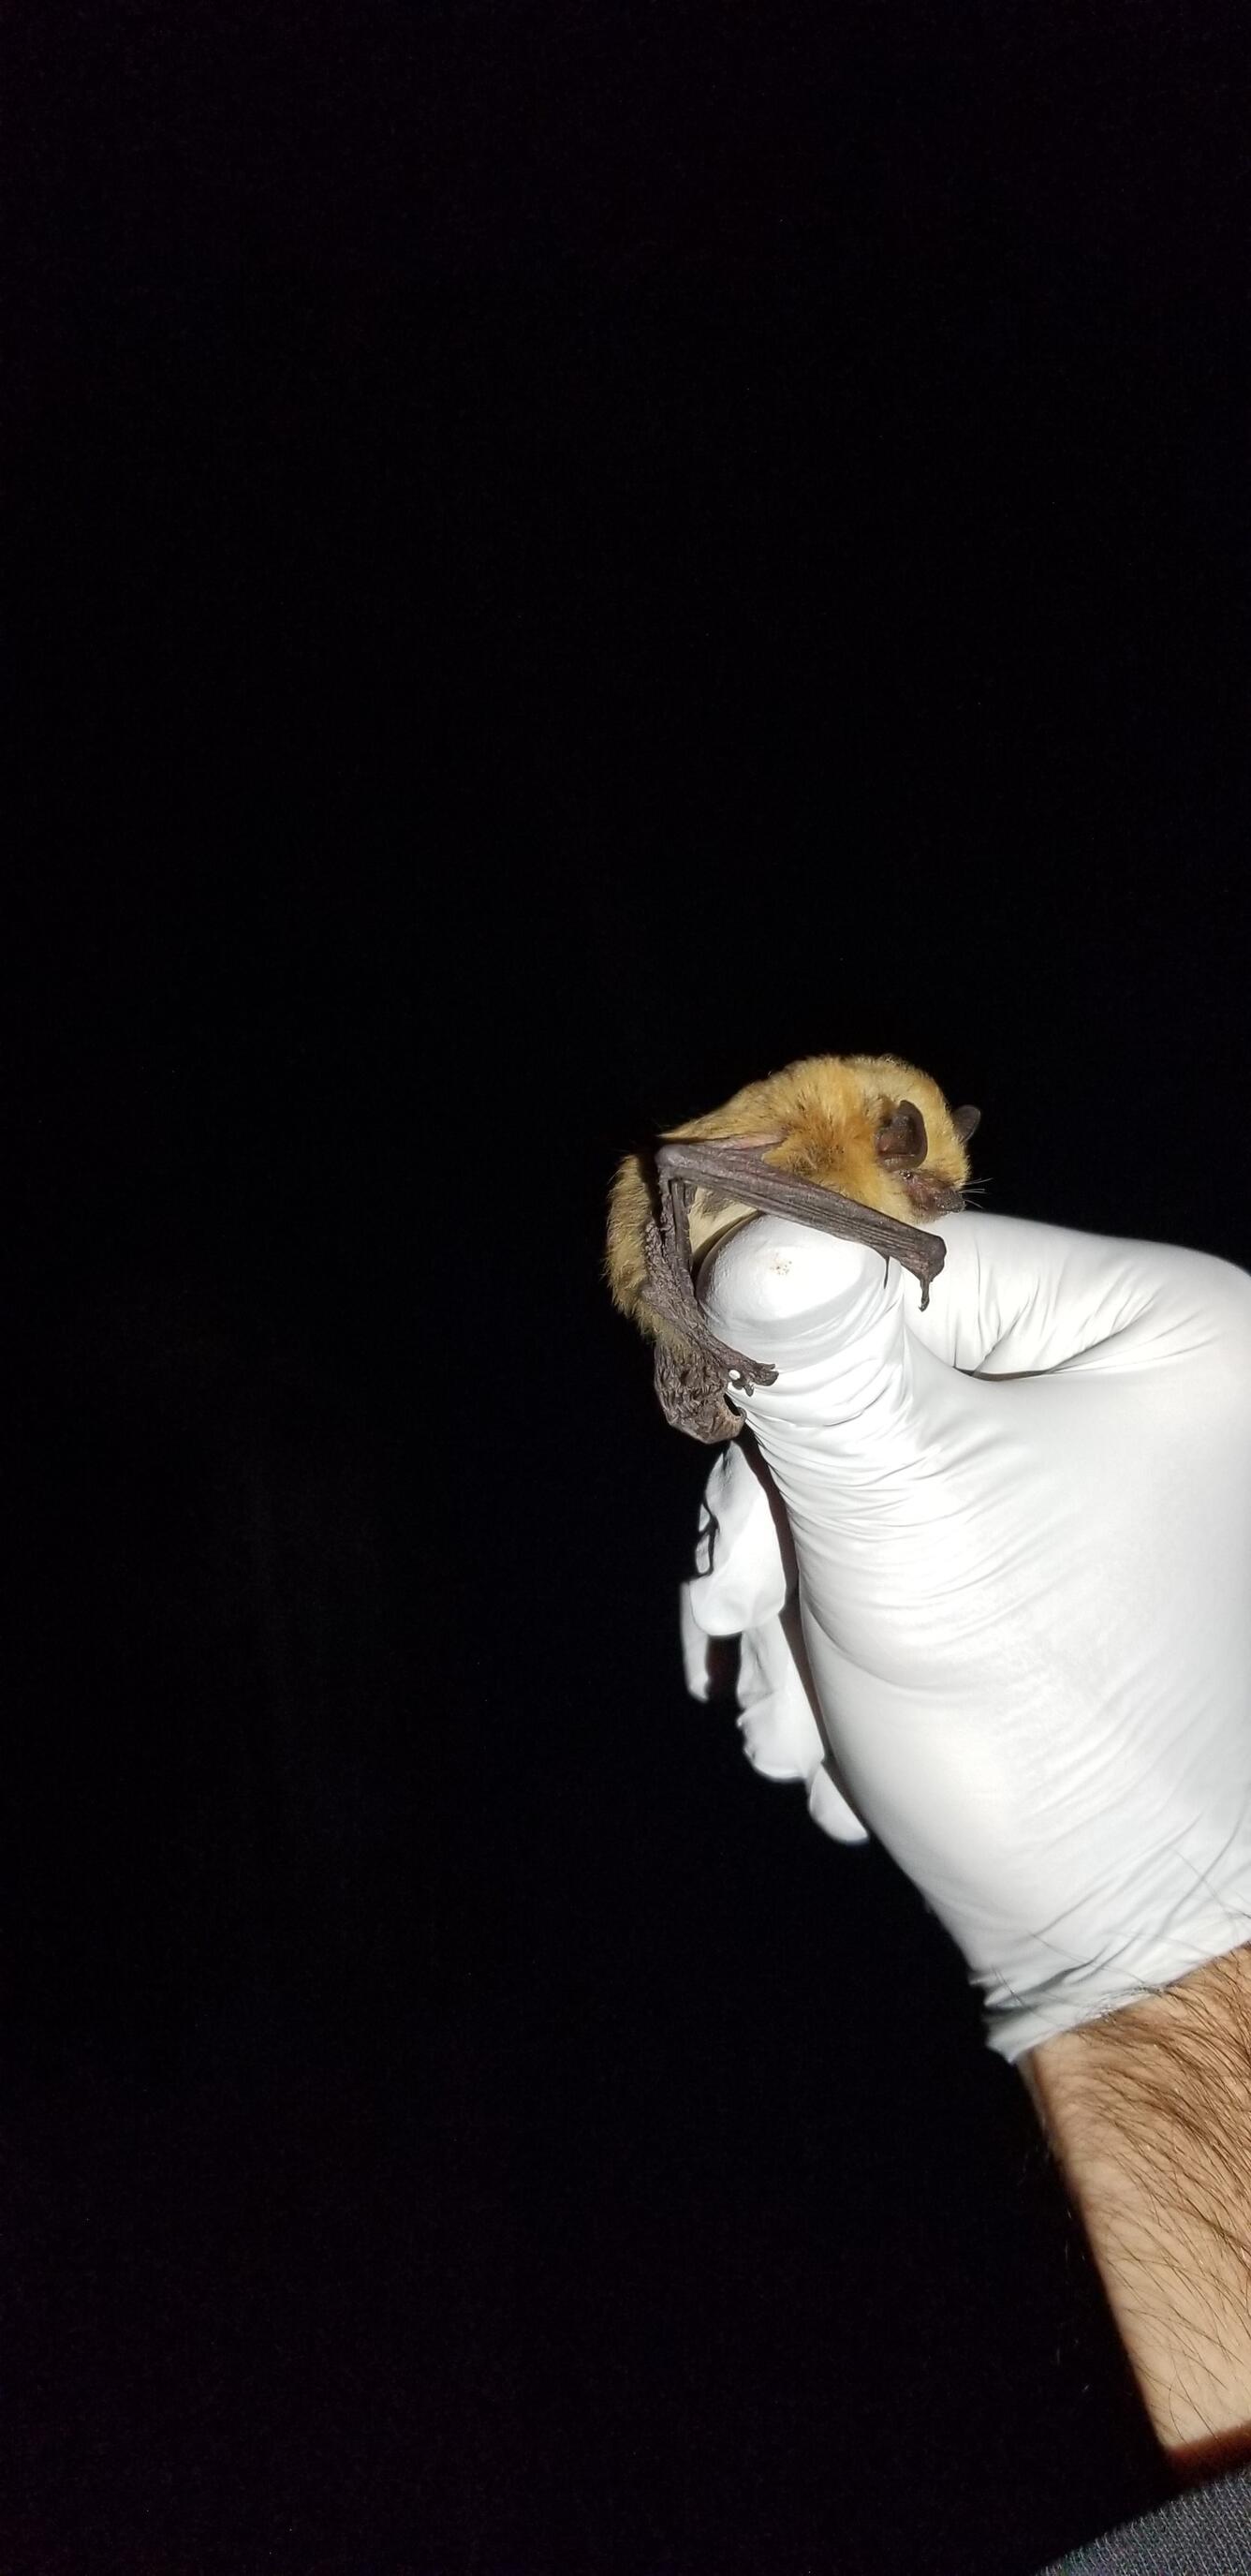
<point>829,1809</point>
<point>1015,1298</point>
<point>778,1725</point>
<point>781,1737</point>
<point>741,1553</point>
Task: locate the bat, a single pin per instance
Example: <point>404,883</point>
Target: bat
<point>863,1146</point>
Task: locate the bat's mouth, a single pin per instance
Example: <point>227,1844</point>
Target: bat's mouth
<point>931,1197</point>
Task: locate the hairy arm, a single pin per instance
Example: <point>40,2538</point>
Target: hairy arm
<point>1149,2114</point>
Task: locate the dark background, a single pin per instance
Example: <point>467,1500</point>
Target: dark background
<point>558,557</point>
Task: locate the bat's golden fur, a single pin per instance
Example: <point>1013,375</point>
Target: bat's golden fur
<point>820,1119</point>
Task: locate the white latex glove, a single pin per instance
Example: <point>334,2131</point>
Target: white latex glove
<point>1025,1593</point>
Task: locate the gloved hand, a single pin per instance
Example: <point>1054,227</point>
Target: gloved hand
<point>1021,1532</point>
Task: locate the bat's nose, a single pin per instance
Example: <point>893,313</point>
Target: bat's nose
<point>930,1197</point>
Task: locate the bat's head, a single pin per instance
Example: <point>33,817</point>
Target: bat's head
<point>875,1128</point>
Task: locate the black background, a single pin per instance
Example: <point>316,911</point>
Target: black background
<point>559,558</point>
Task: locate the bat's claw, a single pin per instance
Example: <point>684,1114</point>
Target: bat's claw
<point>749,1373</point>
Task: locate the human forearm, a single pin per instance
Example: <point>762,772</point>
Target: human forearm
<point>1149,2115</point>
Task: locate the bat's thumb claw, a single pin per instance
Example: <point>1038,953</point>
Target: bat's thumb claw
<point>750,1373</point>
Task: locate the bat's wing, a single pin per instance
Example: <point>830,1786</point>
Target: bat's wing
<point>693,1371</point>
<point>692,1368</point>
<point>739,1171</point>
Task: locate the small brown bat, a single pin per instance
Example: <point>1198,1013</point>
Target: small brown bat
<point>863,1146</point>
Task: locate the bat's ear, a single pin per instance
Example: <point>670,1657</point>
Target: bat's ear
<point>964,1121</point>
<point>902,1143</point>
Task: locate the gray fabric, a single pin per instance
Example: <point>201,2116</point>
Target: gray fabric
<point>1205,2533</point>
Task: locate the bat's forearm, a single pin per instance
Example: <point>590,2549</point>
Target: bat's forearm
<point>742,1174</point>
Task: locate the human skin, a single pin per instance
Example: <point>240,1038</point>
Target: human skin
<point>1148,2112</point>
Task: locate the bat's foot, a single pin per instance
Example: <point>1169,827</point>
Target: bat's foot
<point>693,1394</point>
